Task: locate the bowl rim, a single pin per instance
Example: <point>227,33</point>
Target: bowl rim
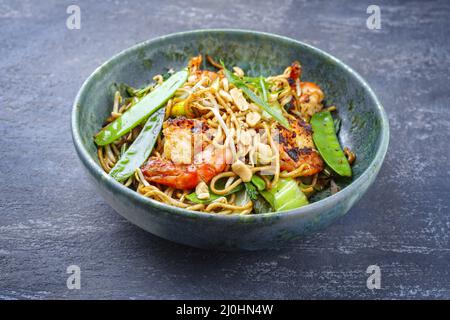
<point>329,201</point>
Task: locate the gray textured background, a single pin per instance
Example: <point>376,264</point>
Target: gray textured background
<point>50,217</point>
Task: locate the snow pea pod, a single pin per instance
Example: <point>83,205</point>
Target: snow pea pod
<point>327,143</point>
<point>141,110</point>
<point>259,182</point>
<point>141,148</point>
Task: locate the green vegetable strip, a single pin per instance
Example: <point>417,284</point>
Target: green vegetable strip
<point>276,114</point>
<point>259,82</point>
<point>141,148</point>
<point>141,110</point>
<point>254,80</point>
<point>327,143</point>
<point>259,183</point>
<point>263,89</point>
<point>285,195</point>
<point>212,196</point>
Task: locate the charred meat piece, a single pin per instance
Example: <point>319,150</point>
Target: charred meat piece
<point>297,148</point>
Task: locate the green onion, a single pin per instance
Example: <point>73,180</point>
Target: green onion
<point>263,89</point>
<point>276,114</point>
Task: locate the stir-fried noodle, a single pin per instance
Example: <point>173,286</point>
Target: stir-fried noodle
<point>214,137</point>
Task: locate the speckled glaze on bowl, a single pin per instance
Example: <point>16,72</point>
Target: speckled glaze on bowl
<point>364,129</point>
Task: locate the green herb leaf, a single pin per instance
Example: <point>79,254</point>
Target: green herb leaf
<point>239,83</point>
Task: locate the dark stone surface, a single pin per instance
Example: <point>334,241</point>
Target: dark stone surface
<point>50,217</point>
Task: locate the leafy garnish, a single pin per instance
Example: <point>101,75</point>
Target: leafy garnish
<point>240,83</point>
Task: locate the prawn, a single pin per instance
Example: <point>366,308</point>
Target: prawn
<point>182,166</point>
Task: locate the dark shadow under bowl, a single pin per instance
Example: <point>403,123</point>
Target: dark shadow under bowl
<point>364,129</point>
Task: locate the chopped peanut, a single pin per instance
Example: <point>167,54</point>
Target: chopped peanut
<point>238,71</point>
<point>246,138</point>
<point>202,191</point>
<point>264,153</point>
<point>242,171</point>
<point>226,95</point>
<point>252,118</point>
<point>239,99</point>
<point>224,84</point>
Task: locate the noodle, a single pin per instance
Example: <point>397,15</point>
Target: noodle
<point>296,173</point>
<point>206,96</point>
<point>228,188</point>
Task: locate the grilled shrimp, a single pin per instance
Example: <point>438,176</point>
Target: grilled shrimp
<point>184,177</point>
<point>297,148</point>
<point>195,71</point>
<point>310,94</point>
<point>188,157</point>
<point>310,99</point>
<point>295,73</point>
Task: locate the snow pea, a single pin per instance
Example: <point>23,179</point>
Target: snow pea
<point>327,143</point>
<point>259,182</point>
<point>141,110</point>
<point>141,148</point>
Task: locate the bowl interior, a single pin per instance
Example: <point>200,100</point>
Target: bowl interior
<point>256,54</point>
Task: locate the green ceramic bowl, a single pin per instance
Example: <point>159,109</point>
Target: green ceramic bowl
<point>364,129</point>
